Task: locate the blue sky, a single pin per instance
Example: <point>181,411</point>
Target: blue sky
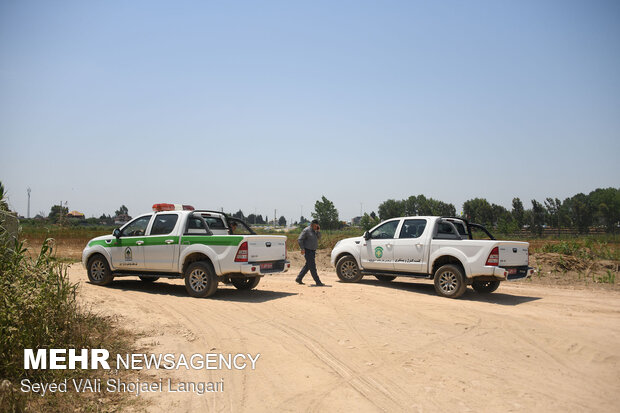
<point>270,105</point>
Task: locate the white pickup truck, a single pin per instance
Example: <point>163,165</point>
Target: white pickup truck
<point>203,247</point>
<point>438,248</point>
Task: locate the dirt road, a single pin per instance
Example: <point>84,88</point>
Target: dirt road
<point>378,347</point>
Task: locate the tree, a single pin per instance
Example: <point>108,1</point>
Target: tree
<point>606,205</point>
<point>326,213</point>
<point>538,218</point>
<point>368,221</point>
<point>239,215</point>
<point>4,206</point>
<point>580,212</point>
<point>554,207</point>
<point>57,212</point>
<point>122,211</point>
<point>391,209</point>
<point>518,212</point>
<point>478,210</point>
<point>282,221</point>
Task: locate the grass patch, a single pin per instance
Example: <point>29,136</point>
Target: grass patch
<point>39,310</point>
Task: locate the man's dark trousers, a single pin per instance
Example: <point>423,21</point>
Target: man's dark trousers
<point>310,265</point>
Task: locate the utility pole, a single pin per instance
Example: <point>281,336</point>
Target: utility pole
<point>28,190</point>
<point>275,218</point>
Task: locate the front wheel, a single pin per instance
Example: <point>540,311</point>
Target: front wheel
<point>99,271</point>
<point>485,287</point>
<point>449,281</point>
<point>245,283</point>
<point>347,270</point>
<point>200,279</point>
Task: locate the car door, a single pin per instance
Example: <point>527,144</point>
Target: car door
<point>377,251</point>
<point>127,251</point>
<point>410,246</point>
<point>161,247</point>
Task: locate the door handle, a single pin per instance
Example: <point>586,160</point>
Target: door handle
<point>169,241</point>
<point>139,242</point>
<point>419,245</point>
<point>388,245</point>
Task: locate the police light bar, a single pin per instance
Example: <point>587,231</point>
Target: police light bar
<point>172,207</point>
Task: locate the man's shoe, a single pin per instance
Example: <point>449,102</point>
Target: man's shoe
<point>299,281</point>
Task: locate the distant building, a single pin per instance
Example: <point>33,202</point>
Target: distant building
<point>75,214</point>
<point>356,221</point>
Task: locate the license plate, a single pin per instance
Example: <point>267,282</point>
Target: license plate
<point>266,266</point>
<point>512,271</point>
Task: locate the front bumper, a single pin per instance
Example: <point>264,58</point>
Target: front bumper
<point>255,268</point>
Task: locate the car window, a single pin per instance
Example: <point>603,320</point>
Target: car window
<point>445,229</point>
<point>385,231</point>
<point>238,228</point>
<point>137,227</point>
<point>164,224</point>
<point>412,228</point>
<point>196,226</point>
<point>214,222</point>
<point>461,228</point>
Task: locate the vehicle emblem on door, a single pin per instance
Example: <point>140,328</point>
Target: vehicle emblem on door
<point>268,244</point>
<point>128,256</point>
<point>514,250</point>
<point>379,252</point>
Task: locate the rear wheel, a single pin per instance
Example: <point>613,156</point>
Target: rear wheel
<point>149,279</point>
<point>385,278</point>
<point>347,270</point>
<point>200,279</point>
<point>245,283</point>
<point>485,287</point>
<point>449,281</point>
<point>99,271</point>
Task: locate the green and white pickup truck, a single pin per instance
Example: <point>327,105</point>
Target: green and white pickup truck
<point>203,247</point>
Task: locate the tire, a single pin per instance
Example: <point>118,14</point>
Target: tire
<point>98,270</point>
<point>385,278</point>
<point>149,279</point>
<point>347,270</point>
<point>200,279</point>
<point>245,283</point>
<point>485,287</point>
<point>449,281</point>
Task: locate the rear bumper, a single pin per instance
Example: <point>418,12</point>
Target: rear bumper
<point>253,269</point>
<point>504,274</point>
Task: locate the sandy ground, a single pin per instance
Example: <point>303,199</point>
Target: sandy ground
<point>377,347</point>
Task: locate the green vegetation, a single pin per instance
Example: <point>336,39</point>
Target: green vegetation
<point>39,310</point>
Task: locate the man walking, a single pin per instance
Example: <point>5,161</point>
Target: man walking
<point>309,242</point>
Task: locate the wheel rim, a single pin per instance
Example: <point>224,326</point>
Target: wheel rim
<point>448,281</point>
<point>348,269</point>
<point>198,280</point>
<point>97,271</point>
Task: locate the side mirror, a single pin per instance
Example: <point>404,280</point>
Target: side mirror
<point>116,233</point>
<point>366,235</point>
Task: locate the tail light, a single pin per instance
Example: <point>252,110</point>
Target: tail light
<point>493,257</point>
<point>242,253</point>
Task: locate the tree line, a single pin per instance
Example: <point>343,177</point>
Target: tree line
<point>599,208</point>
